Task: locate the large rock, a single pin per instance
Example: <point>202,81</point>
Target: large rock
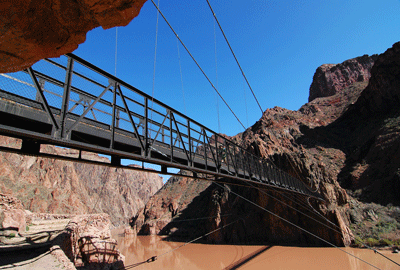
<point>35,29</point>
<point>12,214</point>
<point>14,218</point>
<point>330,79</point>
<point>87,242</point>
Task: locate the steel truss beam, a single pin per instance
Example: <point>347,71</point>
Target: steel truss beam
<point>119,125</point>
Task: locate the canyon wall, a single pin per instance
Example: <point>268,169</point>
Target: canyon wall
<point>62,187</point>
<point>334,144</point>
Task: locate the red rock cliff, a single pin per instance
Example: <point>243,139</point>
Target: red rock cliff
<point>330,79</point>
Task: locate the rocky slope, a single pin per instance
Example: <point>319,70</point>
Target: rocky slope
<point>32,30</point>
<point>348,138</point>
<point>57,186</point>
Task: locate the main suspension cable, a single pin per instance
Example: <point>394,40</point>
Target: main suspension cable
<point>229,45</point>
<point>202,71</point>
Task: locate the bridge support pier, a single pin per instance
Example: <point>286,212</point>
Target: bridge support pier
<point>115,161</point>
<point>30,147</point>
<point>164,169</point>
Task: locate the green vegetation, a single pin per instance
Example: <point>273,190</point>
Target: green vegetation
<point>373,242</point>
<point>11,235</point>
<point>374,224</point>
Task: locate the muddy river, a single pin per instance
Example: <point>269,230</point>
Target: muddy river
<point>138,249</point>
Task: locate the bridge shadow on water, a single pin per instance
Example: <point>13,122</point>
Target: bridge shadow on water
<point>246,259</point>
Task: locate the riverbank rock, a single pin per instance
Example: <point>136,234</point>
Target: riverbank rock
<point>84,240</point>
<point>33,30</point>
<point>87,242</point>
<point>344,144</point>
<point>12,215</point>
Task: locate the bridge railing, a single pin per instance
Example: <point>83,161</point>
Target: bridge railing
<point>77,104</point>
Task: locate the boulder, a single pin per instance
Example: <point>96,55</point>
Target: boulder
<point>36,29</point>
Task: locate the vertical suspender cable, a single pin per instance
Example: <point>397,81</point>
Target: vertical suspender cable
<point>154,65</point>
<point>216,77</point>
<point>180,69</point>
<point>155,54</point>
<point>197,64</point>
<point>226,39</point>
<point>116,49</point>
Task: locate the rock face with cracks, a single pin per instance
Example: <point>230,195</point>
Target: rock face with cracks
<point>35,29</point>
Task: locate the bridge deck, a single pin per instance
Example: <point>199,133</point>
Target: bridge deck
<point>54,103</point>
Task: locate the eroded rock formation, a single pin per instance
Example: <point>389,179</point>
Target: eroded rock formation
<point>33,29</point>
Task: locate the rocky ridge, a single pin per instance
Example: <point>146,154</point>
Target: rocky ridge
<point>344,144</point>
<point>330,79</point>
<point>55,186</point>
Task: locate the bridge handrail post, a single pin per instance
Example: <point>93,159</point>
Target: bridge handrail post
<point>146,126</point>
<point>114,115</point>
<point>190,144</point>
<point>171,135</point>
<point>264,170</point>
<point>225,153</point>
<point>205,147</point>
<point>66,96</point>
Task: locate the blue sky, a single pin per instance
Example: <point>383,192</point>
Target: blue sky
<point>279,45</point>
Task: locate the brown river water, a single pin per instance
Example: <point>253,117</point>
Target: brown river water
<point>138,249</point>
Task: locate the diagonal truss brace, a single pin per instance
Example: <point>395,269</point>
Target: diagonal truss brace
<point>88,109</point>
<point>130,118</point>
<point>44,100</point>
<point>180,137</point>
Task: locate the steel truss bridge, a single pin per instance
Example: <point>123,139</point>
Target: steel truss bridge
<point>71,103</point>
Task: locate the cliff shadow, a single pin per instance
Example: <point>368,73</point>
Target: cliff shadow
<point>192,220</point>
<point>371,143</point>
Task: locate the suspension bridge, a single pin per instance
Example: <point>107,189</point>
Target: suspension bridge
<point>71,103</point>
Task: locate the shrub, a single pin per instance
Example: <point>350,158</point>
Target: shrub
<point>372,241</point>
<point>11,235</point>
<point>386,242</point>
